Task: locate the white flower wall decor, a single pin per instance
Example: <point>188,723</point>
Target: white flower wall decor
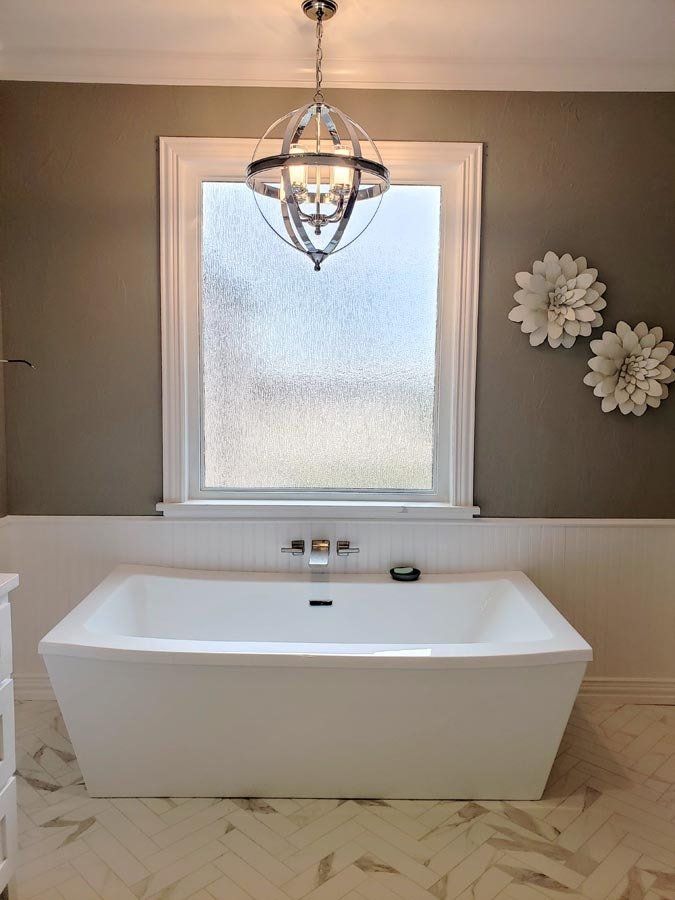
<point>559,300</point>
<point>631,368</point>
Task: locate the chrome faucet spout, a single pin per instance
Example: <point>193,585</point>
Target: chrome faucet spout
<point>318,556</point>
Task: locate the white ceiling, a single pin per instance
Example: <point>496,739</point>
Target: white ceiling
<point>451,44</point>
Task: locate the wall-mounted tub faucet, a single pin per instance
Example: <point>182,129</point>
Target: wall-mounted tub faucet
<point>318,556</point>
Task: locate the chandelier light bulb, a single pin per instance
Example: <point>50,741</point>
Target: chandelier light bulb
<point>317,177</point>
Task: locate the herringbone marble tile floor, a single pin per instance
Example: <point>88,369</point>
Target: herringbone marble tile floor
<point>604,829</point>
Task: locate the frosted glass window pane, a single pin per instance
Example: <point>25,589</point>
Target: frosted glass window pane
<point>319,380</point>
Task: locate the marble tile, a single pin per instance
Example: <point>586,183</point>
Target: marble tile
<point>604,830</point>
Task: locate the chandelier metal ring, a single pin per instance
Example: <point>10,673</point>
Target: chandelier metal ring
<point>269,163</point>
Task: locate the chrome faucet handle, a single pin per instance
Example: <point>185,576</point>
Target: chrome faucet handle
<point>344,549</point>
<point>297,548</point>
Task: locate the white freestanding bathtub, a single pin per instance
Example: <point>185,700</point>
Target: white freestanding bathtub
<point>186,683</point>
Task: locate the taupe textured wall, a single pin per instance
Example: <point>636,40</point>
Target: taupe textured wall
<point>3,440</point>
<point>588,173</point>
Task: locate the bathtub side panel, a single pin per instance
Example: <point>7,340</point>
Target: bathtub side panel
<point>148,729</point>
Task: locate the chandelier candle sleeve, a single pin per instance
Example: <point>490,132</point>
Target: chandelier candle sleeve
<point>341,176</point>
<point>298,173</point>
<point>313,167</point>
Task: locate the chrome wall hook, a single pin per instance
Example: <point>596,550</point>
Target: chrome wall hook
<point>24,361</point>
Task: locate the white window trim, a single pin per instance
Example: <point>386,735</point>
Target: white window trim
<point>184,164</point>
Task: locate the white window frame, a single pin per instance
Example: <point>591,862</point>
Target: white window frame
<point>187,162</point>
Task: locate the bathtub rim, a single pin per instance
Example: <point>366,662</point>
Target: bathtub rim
<point>70,637</point>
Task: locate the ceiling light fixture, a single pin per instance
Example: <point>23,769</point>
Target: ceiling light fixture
<point>313,166</point>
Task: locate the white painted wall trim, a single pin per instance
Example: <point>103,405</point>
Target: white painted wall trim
<point>283,510</point>
<point>411,73</point>
<point>184,164</point>
<point>656,691</point>
<point>33,687</point>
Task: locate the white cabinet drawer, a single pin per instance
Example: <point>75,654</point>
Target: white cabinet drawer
<point>7,749</point>
<point>5,640</point>
<point>8,832</point>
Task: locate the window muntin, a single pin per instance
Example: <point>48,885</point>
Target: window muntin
<point>319,382</point>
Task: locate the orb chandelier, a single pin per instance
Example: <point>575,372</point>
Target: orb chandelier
<point>313,169</point>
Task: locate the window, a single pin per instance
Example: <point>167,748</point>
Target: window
<point>319,381</point>
<point>350,390</point>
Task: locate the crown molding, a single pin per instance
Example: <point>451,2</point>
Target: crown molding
<point>411,73</point>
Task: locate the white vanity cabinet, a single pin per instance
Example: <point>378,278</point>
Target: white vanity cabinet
<point>8,812</point>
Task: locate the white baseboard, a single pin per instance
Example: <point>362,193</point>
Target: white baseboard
<point>33,687</point>
<point>656,691</point>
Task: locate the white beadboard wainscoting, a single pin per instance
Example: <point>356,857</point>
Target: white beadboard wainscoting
<point>614,580</point>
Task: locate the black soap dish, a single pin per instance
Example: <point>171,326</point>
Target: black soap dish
<point>404,573</point>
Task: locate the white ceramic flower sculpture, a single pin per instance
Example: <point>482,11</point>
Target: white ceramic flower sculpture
<point>559,300</point>
<point>631,368</point>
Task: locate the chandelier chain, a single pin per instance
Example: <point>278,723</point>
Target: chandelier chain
<point>318,93</point>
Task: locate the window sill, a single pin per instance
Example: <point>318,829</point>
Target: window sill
<point>315,509</point>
